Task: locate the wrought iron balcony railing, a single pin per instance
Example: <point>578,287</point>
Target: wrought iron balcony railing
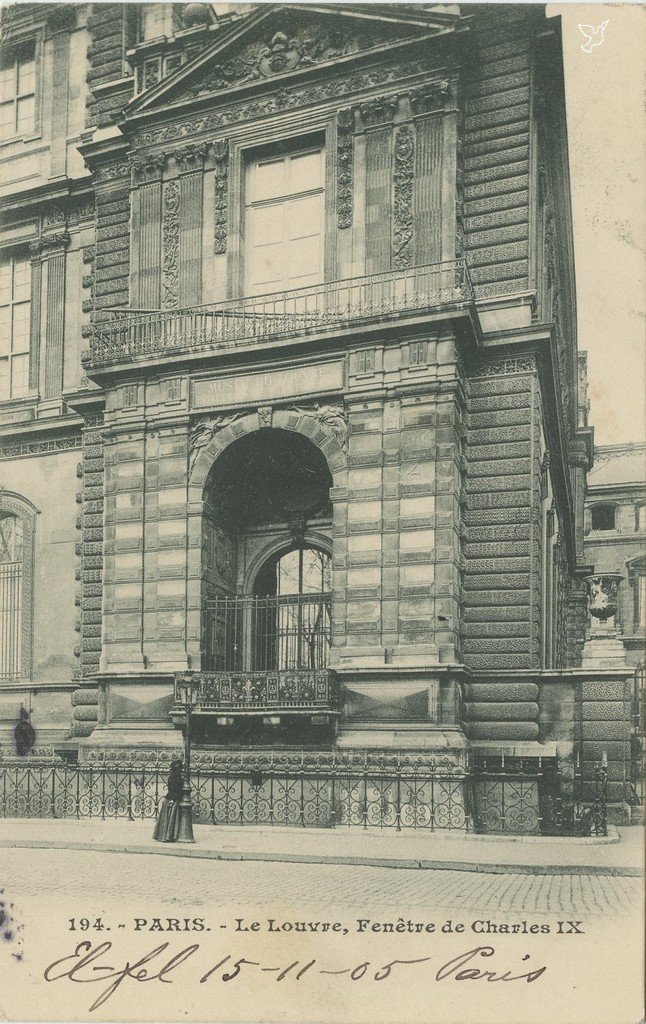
<point>300,691</point>
<point>134,334</point>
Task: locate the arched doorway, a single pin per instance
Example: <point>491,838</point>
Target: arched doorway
<point>266,579</point>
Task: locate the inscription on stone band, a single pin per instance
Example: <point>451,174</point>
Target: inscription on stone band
<point>255,388</point>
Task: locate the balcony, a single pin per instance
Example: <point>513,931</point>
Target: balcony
<point>266,655</point>
<point>139,335</point>
<point>298,692</point>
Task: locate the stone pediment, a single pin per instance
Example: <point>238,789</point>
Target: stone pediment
<point>281,41</point>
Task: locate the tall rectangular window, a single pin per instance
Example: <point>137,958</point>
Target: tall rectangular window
<point>11,558</point>
<point>15,287</point>
<point>284,222</point>
<point>18,91</point>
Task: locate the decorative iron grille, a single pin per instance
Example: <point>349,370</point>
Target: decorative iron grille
<point>135,333</point>
<point>10,621</point>
<point>257,692</point>
<point>261,634</point>
<point>325,789</point>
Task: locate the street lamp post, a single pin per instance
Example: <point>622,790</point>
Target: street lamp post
<point>185,691</point>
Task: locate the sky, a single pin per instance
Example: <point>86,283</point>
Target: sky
<point>607,148</point>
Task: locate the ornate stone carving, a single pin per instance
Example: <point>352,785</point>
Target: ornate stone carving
<point>111,172</point>
<point>203,432</point>
<point>59,240</point>
<point>297,47</point>
<point>284,99</point>
<point>403,197</point>
<point>378,111</point>
<point>170,270</point>
<point>430,96</point>
<point>149,167</point>
<point>334,417</point>
<point>221,201</point>
<point>498,367</point>
<point>345,159</point>
<point>191,158</point>
<point>602,595</point>
<point>265,416</point>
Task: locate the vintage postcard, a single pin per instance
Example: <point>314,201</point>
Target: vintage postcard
<point>322,513</point>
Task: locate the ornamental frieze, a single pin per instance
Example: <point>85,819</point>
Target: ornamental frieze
<point>170,267</point>
<point>285,99</point>
<point>221,198</point>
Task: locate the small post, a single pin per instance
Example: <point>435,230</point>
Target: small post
<point>186,691</point>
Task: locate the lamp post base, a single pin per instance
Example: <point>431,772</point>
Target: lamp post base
<point>185,834</point>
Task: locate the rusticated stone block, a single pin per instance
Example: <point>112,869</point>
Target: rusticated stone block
<point>89,696</point>
<point>85,713</point>
<point>501,691</point>
<point>604,710</point>
<point>605,730</point>
<point>604,689</point>
<point>517,731</point>
<point>82,729</point>
<point>501,712</point>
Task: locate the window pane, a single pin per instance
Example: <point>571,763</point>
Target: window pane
<point>26,115</point>
<point>7,81</point>
<point>305,215</point>
<point>7,120</point>
<point>306,172</point>
<point>20,341</point>
<point>268,180</point>
<point>19,376</point>
<point>603,517</point>
<point>5,283</point>
<point>21,280</point>
<point>10,538</point>
<point>267,224</point>
<point>268,265</point>
<point>26,76</point>
<point>5,332</point>
<point>4,379</point>
<point>303,258</point>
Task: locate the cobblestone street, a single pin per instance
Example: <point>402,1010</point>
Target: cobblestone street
<point>32,874</point>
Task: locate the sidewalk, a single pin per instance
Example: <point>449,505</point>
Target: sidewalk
<point>621,853</point>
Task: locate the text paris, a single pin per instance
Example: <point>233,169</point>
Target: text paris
<point>90,964</point>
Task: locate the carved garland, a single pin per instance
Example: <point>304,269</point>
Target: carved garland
<point>221,204</point>
<point>170,276</point>
<point>345,158</point>
<point>403,197</point>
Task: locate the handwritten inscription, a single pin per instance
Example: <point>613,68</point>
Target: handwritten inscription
<point>91,965</point>
<point>272,385</point>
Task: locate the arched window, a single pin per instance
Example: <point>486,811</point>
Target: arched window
<point>603,516</point>
<point>17,518</point>
<point>291,626</point>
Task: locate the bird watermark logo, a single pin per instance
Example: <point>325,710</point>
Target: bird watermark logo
<point>593,36</point>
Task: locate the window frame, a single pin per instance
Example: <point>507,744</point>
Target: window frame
<point>268,141</point>
<point>11,257</point>
<point>20,507</point>
<point>13,46</point>
<point>605,505</point>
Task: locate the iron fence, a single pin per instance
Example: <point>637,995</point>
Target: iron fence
<point>134,333</point>
<point>513,797</point>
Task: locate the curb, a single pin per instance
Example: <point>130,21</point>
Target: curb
<point>410,863</point>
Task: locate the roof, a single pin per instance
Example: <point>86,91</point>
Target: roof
<point>618,464</point>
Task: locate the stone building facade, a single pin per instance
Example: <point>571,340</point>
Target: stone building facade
<point>301,411</point>
<point>615,536</point>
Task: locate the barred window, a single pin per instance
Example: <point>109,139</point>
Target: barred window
<point>18,91</point>
<point>15,294</point>
<point>11,596</point>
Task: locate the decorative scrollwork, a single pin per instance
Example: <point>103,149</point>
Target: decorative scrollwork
<point>221,204</point>
<point>170,275</point>
<point>403,197</point>
<point>345,158</point>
